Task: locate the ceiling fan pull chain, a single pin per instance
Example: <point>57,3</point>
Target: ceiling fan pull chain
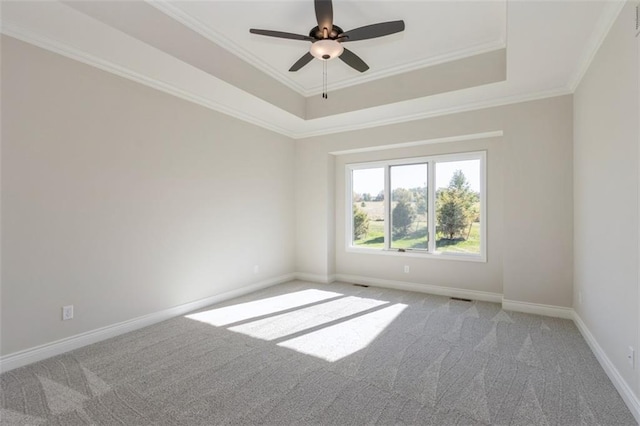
<point>324,79</point>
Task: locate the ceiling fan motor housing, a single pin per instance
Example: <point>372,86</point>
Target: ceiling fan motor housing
<point>318,33</point>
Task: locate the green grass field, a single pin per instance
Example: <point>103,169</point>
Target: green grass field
<point>417,240</point>
<point>375,236</point>
<point>471,245</point>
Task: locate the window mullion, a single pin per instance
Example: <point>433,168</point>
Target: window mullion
<point>387,207</point>
<point>431,212</point>
<point>349,206</point>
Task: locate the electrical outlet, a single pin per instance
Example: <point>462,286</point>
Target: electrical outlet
<point>67,312</point>
<point>256,269</point>
<point>631,355</point>
<point>406,269</point>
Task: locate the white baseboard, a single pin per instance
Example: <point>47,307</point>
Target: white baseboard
<point>315,278</point>
<point>422,288</point>
<point>38,353</point>
<point>632,401</point>
<point>537,308</point>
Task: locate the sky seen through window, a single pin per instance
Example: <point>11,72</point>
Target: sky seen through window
<point>371,181</point>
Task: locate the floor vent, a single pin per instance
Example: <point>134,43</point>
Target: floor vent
<point>460,299</point>
<point>360,285</point>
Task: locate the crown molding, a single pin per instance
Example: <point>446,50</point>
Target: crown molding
<point>599,34</point>
<point>63,49</point>
<point>204,30</point>
<point>412,66</point>
<point>201,28</point>
<point>506,100</point>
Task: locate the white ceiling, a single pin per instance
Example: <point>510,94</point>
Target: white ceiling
<point>549,45</point>
<point>433,30</point>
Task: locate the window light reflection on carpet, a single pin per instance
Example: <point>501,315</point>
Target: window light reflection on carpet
<point>243,311</point>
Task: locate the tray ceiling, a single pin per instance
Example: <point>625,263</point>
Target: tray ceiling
<point>203,52</point>
<point>435,31</point>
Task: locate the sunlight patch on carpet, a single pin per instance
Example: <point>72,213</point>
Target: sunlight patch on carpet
<point>306,318</point>
<point>338,341</point>
<point>244,311</point>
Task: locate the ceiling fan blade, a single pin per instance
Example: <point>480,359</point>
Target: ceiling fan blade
<point>301,62</point>
<point>372,31</point>
<point>324,15</point>
<point>353,60</point>
<point>280,34</point>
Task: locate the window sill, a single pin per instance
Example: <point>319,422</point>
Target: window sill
<point>419,254</point>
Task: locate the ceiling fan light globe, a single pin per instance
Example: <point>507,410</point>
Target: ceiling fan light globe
<point>326,50</point>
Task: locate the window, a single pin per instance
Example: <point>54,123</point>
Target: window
<point>425,206</point>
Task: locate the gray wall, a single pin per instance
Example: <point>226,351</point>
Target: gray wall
<point>530,195</point>
<point>125,201</point>
<point>606,117</point>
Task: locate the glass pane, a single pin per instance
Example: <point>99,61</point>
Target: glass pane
<point>458,207</point>
<point>409,207</point>
<point>368,207</point>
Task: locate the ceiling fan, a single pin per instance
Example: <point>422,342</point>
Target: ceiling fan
<point>327,38</point>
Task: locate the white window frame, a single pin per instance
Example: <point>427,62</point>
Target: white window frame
<point>431,162</point>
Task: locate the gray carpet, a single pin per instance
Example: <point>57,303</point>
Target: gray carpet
<point>337,354</point>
